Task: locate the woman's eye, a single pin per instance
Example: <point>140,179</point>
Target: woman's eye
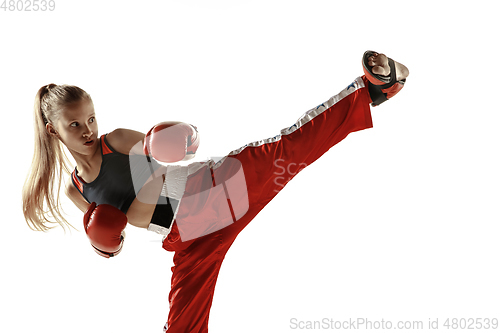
<point>92,119</point>
<point>74,124</point>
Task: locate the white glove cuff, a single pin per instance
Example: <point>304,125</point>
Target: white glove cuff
<point>175,181</point>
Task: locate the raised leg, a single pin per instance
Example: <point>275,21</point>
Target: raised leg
<point>264,163</point>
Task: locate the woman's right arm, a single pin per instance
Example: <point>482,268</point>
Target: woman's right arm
<point>104,224</point>
<point>75,196</point>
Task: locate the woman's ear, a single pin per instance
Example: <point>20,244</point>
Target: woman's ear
<point>51,130</point>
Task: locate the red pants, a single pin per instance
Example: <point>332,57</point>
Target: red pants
<point>197,261</point>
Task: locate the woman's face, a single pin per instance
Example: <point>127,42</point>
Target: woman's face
<point>77,128</point>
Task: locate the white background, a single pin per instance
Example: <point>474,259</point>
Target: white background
<point>398,222</point>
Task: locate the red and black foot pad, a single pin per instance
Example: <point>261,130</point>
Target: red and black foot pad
<point>380,87</point>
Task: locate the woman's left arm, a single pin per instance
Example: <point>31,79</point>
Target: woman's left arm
<point>127,141</point>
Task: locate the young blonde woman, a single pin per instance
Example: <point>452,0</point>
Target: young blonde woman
<point>200,207</point>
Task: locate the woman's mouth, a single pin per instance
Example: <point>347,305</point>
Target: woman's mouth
<point>89,143</point>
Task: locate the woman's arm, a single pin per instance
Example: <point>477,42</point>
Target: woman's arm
<point>75,196</point>
<point>127,141</point>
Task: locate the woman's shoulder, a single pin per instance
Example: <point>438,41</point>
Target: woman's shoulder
<point>126,141</point>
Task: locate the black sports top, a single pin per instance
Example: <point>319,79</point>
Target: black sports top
<point>119,177</point>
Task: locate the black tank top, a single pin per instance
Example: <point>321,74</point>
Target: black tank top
<point>119,178</point>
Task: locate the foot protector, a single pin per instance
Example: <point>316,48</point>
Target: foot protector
<point>381,88</point>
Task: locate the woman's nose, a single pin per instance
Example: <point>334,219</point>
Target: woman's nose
<point>88,131</point>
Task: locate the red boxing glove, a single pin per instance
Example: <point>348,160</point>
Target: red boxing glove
<point>171,141</point>
<point>104,225</point>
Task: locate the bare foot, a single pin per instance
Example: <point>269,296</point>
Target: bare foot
<point>380,65</point>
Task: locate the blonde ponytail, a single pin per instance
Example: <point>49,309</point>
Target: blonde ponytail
<point>41,204</point>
